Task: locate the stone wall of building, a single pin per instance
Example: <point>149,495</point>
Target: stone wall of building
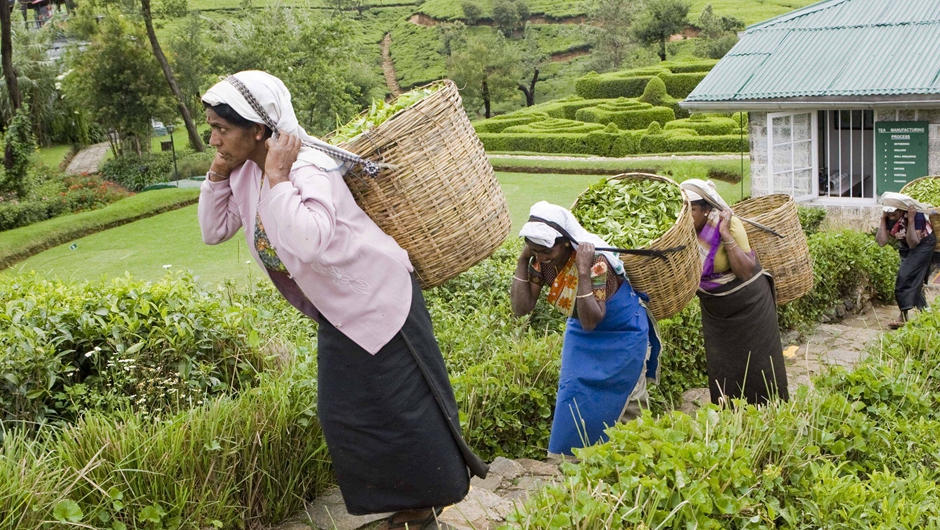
<point>757,135</point>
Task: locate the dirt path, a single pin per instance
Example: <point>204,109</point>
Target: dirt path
<point>841,343</point>
<point>388,67</point>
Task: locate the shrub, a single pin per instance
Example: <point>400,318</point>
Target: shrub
<point>810,218</point>
<point>153,348</point>
<point>594,86</point>
<point>554,125</point>
<point>472,12</point>
<point>681,85</point>
<point>497,124</point>
<point>705,126</point>
<point>626,113</point>
<point>21,144</point>
<point>137,172</point>
<point>655,92</point>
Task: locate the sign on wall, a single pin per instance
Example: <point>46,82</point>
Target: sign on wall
<point>901,153</point>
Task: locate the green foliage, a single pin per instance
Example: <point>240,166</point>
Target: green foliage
<point>628,213</point>
<point>657,20</point>
<point>487,68</point>
<point>613,44</point>
<point>191,56</point>
<point>316,58</point>
<point>626,113</point>
<point>137,172</point>
<point>925,190</point>
<point>472,12</point>
<point>416,52</point>
<point>128,89</point>
<point>379,113</point>
<point>120,345</point>
<point>555,125</point>
<point>655,92</point>
<point>845,264</point>
<point>510,15</point>
<point>681,85</point>
<point>596,86</point>
<point>810,218</point>
<point>20,146</point>
<point>718,35</point>
<point>705,126</point>
<point>679,78</point>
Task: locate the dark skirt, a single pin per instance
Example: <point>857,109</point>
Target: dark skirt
<point>912,274</point>
<point>743,354</point>
<point>390,420</point>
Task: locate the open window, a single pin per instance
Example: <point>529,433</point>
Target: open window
<point>846,154</point>
<point>791,142</point>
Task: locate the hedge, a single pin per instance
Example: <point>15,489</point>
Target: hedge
<point>681,85</point>
<point>637,116</point>
<point>554,126</point>
<point>705,126</point>
<point>681,141</point>
<point>593,86</point>
<point>499,123</point>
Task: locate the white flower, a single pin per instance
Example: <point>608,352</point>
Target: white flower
<point>167,266</point>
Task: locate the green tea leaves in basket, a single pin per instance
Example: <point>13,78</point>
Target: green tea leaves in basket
<point>924,190</point>
<point>629,213</point>
<point>380,112</point>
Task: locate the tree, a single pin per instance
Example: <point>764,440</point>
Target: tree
<point>533,59</point>
<point>718,35</point>
<point>472,12</point>
<point>21,145</point>
<point>660,19</point>
<point>127,89</point>
<point>510,15</point>
<point>487,68</point>
<point>194,140</point>
<point>316,58</point>
<point>614,41</point>
<point>9,75</point>
<point>191,56</point>
<point>452,37</point>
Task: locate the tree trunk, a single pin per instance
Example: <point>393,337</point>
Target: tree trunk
<point>530,92</point>
<point>194,140</point>
<point>662,48</point>
<point>486,99</point>
<point>9,75</point>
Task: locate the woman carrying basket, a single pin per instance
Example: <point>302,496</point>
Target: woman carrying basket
<point>902,222</point>
<point>743,353</point>
<point>385,403</point>
<point>610,345</point>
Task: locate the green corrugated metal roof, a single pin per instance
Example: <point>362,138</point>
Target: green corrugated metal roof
<point>835,48</point>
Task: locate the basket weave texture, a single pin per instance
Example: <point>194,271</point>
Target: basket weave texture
<point>441,201</point>
<point>671,283</point>
<point>787,258</point>
<point>934,218</point>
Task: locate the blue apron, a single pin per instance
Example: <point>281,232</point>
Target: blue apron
<point>599,370</point>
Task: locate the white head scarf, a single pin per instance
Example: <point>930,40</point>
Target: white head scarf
<point>697,190</point>
<point>543,234</point>
<point>903,202</point>
<point>274,99</point>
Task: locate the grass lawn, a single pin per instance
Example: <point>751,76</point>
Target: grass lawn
<point>142,248</point>
<point>53,155</point>
<point>180,136</point>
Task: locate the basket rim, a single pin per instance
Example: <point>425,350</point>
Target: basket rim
<point>684,211</point>
<point>445,83</point>
<point>787,200</point>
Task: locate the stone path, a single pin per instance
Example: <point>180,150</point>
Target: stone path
<point>842,342</point>
<point>88,159</point>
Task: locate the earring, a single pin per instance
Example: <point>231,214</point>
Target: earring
<point>567,244</point>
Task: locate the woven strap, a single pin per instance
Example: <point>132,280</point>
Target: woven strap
<point>654,253</point>
<point>370,167</point>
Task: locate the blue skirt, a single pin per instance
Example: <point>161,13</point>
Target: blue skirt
<point>599,370</point>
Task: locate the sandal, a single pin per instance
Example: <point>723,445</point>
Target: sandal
<point>897,324</point>
<point>429,522</point>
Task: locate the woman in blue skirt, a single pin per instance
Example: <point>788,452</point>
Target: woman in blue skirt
<point>611,346</point>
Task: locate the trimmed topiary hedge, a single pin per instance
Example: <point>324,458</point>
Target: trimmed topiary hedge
<point>499,123</point>
<point>681,85</point>
<point>705,125</point>
<point>593,86</point>
<point>680,78</point>
<point>626,113</point>
<point>555,125</point>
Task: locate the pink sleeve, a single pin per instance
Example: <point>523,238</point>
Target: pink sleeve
<point>219,219</point>
<point>304,212</point>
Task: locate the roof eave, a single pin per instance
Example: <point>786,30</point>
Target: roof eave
<point>919,101</point>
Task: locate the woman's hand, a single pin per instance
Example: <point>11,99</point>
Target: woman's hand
<point>526,255</point>
<point>222,167</point>
<point>585,258</point>
<point>282,154</point>
<point>724,227</point>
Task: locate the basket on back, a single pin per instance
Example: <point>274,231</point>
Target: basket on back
<point>786,258</point>
<point>440,200</point>
<point>671,282</point>
<point>934,218</point>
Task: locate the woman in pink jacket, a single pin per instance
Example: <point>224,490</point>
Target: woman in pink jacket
<point>385,402</point>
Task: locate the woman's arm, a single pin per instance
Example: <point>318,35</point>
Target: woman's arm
<point>913,235</point>
<point>218,214</point>
<point>742,264</point>
<point>882,237</point>
<point>302,209</point>
<point>590,310</point>
<point>522,293</point>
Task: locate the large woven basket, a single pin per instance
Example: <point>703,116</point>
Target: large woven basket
<point>670,283</point>
<point>787,258</point>
<point>934,218</point>
<point>441,201</point>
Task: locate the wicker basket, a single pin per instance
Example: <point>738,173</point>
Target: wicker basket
<point>441,202</point>
<point>934,218</point>
<point>672,283</point>
<point>787,258</point>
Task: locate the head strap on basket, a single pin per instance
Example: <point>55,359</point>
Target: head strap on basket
<point>661,254</point>
<point>369,167</point>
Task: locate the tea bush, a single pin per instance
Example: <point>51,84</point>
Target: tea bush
<point>122,344</point>
<point>810,218</point>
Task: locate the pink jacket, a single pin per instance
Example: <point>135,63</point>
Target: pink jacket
<point>357,276</point>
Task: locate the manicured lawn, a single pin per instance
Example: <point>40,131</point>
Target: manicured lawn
<point>180,136</point>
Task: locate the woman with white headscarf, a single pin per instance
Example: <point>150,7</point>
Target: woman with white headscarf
<point>905,222</point>
<point>743,353</point>
<point>610,346</point>
<point>385,402</point>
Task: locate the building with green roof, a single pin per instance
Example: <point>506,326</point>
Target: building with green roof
<point>843,98</point>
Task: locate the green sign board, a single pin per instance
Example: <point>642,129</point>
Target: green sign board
<point>901,153</point>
